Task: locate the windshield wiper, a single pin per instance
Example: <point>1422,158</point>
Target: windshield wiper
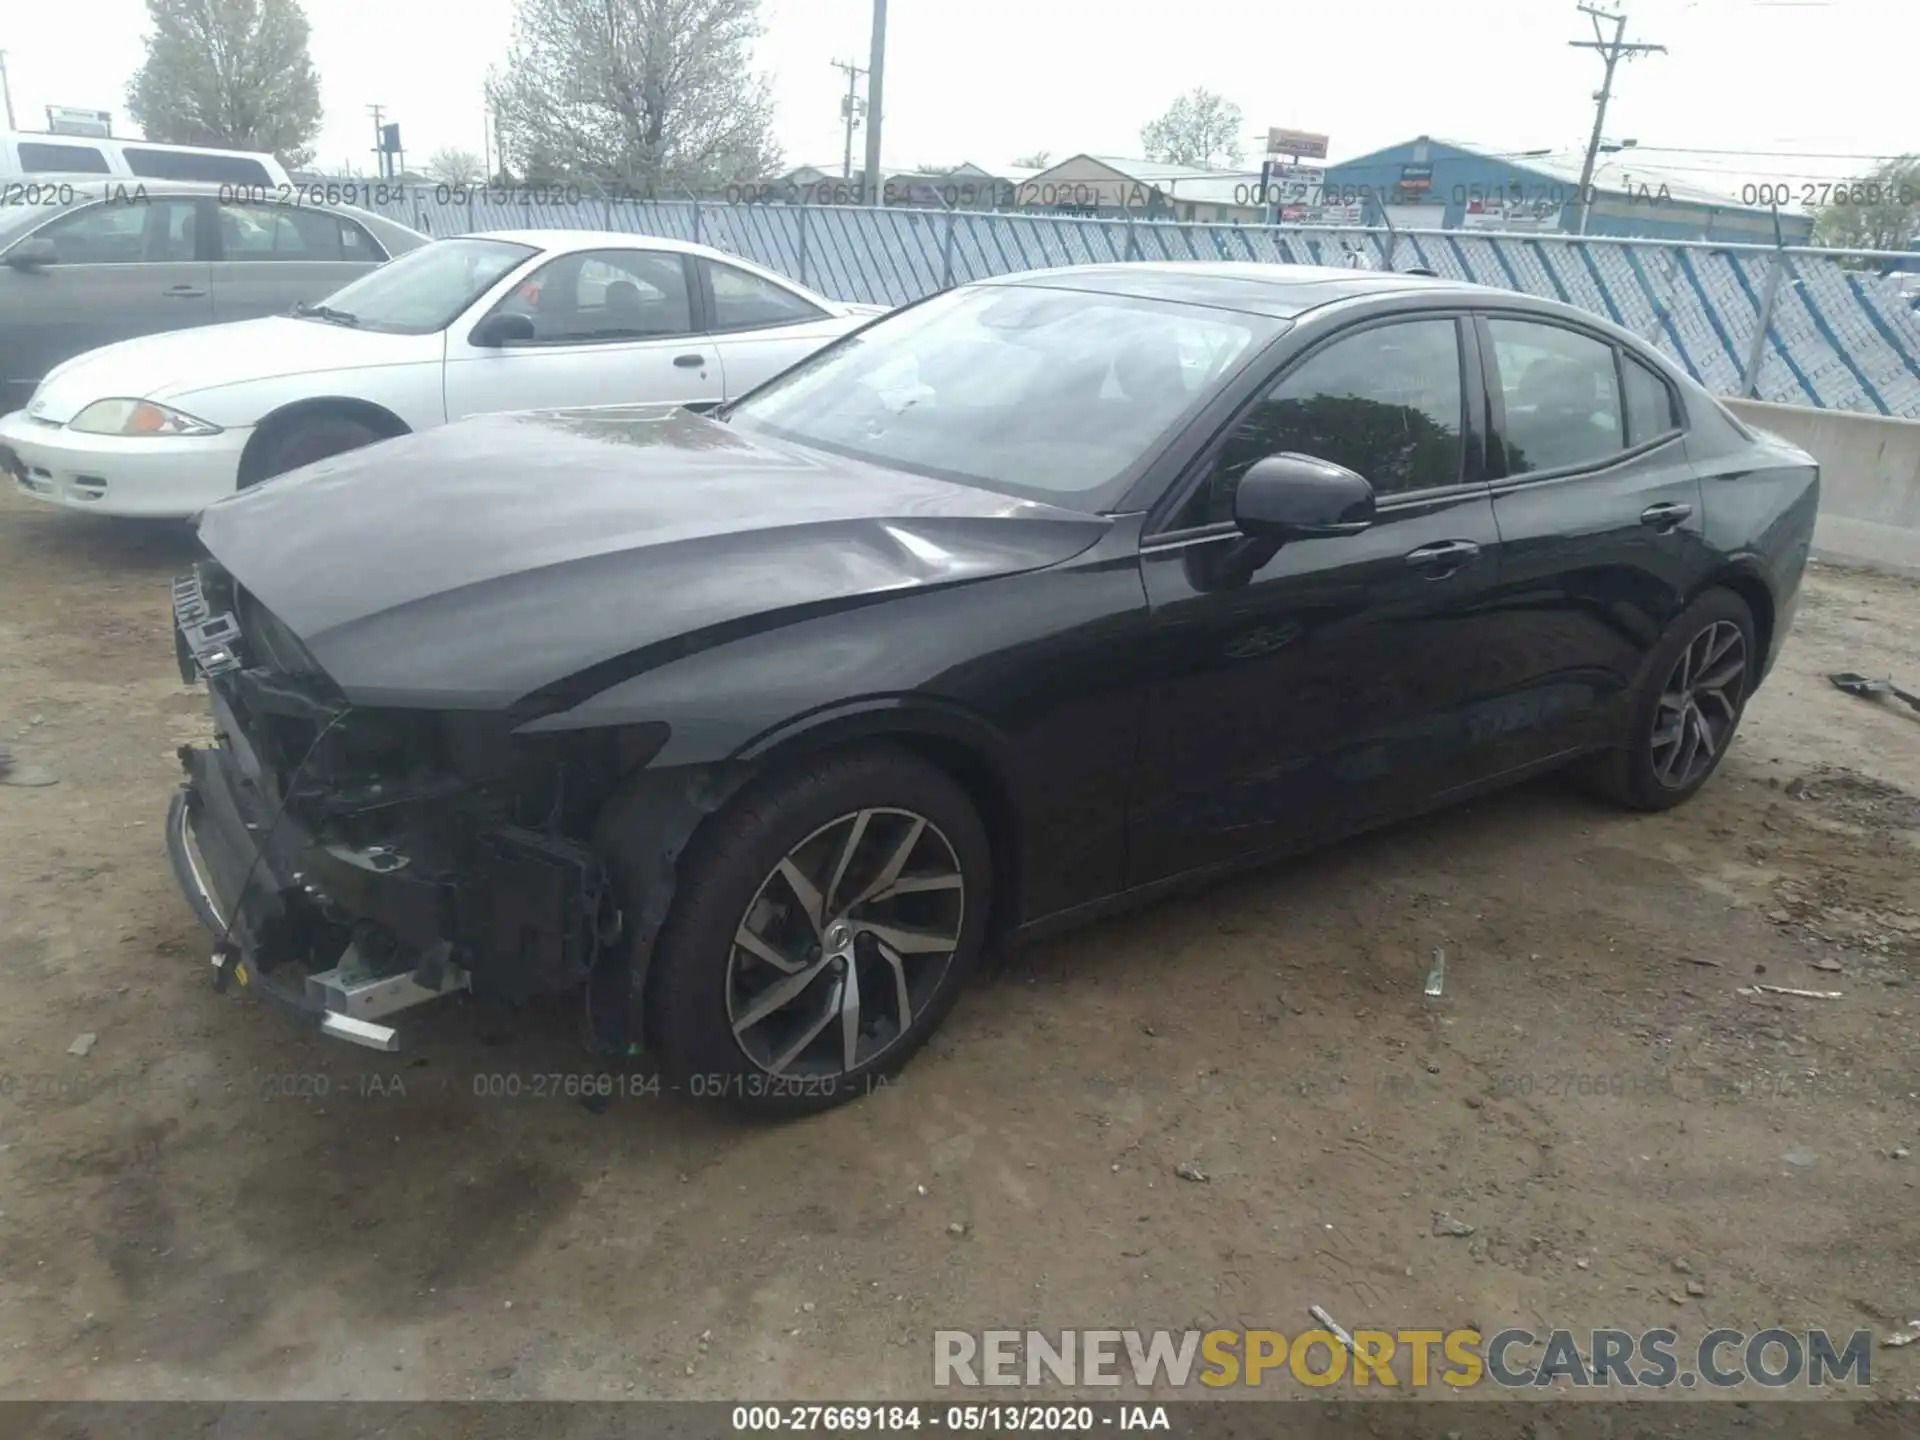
<point>324,312</point>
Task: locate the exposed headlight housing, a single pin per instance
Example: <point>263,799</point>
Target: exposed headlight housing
<point>137,417</point>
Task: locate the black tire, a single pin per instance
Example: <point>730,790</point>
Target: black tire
<point>317,438</point>
<point>1629,774</point>
<point>721,878</point>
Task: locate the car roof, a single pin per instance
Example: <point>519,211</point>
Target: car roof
<point>1278,291</point>
<point>564,240</point>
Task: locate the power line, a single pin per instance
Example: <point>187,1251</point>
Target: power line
<point>1768,154</point>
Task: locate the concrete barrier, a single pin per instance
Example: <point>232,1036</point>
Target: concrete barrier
<point>1869,481</point>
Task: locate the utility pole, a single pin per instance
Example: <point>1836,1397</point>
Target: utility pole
<point>379,144</point>
<point>1613,51</point>
<point>6,90</point>
<point>876,77</point>
<point>850,107</point>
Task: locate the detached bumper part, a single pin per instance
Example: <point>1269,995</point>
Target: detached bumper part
<point>351,1000</point>
<point>262,886</point>
<point>345,1001</point>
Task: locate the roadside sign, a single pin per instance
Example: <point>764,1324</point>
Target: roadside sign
<point>67,120</point>
<point>1303,143</point>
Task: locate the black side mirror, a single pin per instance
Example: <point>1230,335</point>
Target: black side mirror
<point>1296,497</point>
<point>32,254</point>
<point>502,329</point>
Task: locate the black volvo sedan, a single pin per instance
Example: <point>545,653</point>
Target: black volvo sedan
<point>1035,598</point>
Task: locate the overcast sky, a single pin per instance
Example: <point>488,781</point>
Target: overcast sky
<point>986,80</point>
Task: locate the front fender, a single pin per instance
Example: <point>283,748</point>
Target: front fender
<point>879,717</point>
<point>414,391</point>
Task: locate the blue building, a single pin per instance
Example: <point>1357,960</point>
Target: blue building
<point>1449,185</point>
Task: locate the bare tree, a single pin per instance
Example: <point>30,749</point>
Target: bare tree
<point>656,95</point>
<point>1200,128</point>
<point>1038,160</point>
<point>230,73</point>
<point>456,167</point>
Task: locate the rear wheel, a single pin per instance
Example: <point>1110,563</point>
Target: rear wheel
<point>1684,711</point>
<point>317,438</point>
<point>821,931</point>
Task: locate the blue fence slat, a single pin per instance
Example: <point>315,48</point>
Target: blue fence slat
<point>1903,349</point>
<point>1771,350</point>
<point>1824,325</point>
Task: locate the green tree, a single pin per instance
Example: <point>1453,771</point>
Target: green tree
<point>1879,212</point>
<point>1200,128</point>
<point>654,95</point>
<point>228,73</point>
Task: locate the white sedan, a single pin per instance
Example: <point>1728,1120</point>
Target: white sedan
<point>515,320</point>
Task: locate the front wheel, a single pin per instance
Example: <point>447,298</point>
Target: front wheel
<point>821,931</point>
<point>318,438</point>
<point>1683,713</point>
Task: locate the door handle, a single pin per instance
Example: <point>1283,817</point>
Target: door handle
<point>687,362</point>
<point>1665,516</point>
<point>184,292</point>
<point>1443,557</point>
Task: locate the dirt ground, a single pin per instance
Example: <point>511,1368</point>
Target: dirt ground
<point>184,1213</point>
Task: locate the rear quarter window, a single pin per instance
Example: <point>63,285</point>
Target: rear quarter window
<point>185,165</point>
<point>1650,407</point>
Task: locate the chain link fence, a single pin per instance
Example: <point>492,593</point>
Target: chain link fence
<point>1794,326</point>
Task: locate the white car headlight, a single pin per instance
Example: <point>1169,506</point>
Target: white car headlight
<point>137,417</point>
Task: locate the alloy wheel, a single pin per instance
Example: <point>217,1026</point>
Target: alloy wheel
<point>847,940</point>
<point>1699,705</point>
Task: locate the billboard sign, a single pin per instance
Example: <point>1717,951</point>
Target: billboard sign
<point>1302,143</point>
<point>1322,214</point>
<point>1528,216</point>
<point>67,120</point>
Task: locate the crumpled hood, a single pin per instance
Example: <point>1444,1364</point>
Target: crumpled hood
<point>183,362</point>
<point>470,565</point>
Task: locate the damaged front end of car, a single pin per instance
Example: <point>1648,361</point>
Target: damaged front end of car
<point>356,861</point>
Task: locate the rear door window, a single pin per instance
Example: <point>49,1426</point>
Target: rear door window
<point>357,244</point>
<point>1561,395</point>
<point>284,232</point>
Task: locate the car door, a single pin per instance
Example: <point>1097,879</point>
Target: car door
<point>1600,517</point>
<point>268,257</point>
<point>130,264</point>
<point>611,327</point>
<point>759,326</point>
<point>1314,688</point>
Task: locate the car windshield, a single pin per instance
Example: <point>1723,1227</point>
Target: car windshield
<point>1047,394</point>
<point>424,290</point>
